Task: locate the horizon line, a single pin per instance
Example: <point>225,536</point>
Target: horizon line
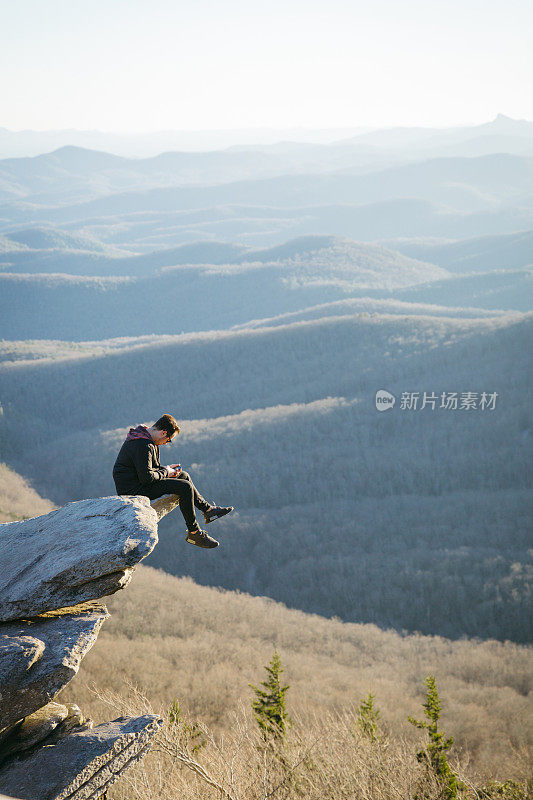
<point>304,128</point>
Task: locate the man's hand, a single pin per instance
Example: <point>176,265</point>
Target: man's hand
<point>173,470</point>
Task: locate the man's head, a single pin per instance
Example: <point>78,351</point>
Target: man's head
<point>164,430</point>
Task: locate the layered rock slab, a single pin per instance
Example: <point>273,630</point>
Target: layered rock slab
<point>164,505</point>
<point>17,654</point>
<point>83,765</point>
<point>53,645</point>
<point>32,730</point>
<point>82,551</point>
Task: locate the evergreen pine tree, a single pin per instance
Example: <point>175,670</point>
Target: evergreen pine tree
<point>191,735</point>
<point>434,754</point>
<point>269,703</point>
<point>367,717</point>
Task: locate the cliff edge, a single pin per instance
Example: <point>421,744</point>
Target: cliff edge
<point>53,570</point>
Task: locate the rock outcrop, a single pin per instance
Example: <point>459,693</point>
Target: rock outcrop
<point>82,551</point>
<point>83,765</point>
<point>55,644</point>
<point>52,570</point>
<point>32,729</point>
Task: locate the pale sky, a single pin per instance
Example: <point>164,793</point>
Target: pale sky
<point>132,65</point>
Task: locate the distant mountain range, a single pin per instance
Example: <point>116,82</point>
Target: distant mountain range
<point>502,130</point>
<point>516,135</point>
<point>83,192</point>
<point>137,145</point>
<point>264,226</point>
<point>85,174</point>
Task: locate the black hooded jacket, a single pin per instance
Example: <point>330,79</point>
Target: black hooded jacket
<point>137,466</point>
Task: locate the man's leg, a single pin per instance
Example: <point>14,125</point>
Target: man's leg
<point>199,501</point>
<point>185,491</point>
<point>211,512</point>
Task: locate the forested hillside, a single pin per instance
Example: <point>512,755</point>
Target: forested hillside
<point>200,297</point>
<point>474,255</point>
<point>406,514</point>
<point>204,646</point>
<point>18,500</point>
<point>490,290</point>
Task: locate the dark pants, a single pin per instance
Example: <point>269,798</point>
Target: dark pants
<point>187,492</point>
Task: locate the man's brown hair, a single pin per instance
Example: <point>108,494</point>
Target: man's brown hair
<point>168,424</point>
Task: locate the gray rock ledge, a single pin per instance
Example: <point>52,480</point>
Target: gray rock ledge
<point>82,551</point>
<point>83,765</point>
<point>32,730</point>
<point>54,644</point>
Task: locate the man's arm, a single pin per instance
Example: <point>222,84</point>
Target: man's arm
<point>143,459</point>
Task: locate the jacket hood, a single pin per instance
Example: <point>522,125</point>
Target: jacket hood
<point>140,432</point>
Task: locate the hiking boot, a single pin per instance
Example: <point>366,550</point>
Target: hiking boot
<point>215,512</point>
<point>200,538</point>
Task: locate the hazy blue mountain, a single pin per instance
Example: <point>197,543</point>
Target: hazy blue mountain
<point>258,283</point>
<point>510,289</point>
<point>515,144</point>
<point>70,173</point>
<point>469,255</point>
<point>54,239</point>
<point>517,135</point>
<point>50,249</point>
<point>35,171</point>
<point>467,184</point>
<point>48,178</point>
<point>75,262</point>
<point>75,174</point>
<point>446,198</point>
<point>399,142</point>
<point>333,250</point>
<point>31,143</point>
<point>264,226</point>
<point>7,244</point>
<point>369,305</point>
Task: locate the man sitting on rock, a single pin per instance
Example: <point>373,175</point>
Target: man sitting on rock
<point>138,470</point>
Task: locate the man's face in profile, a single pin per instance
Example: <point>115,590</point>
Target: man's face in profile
<point>162,437</point>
